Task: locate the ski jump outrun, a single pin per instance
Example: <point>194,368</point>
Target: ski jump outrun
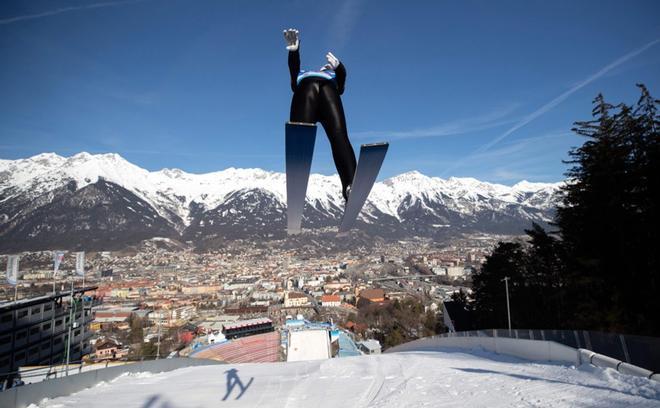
<point>317,98</point>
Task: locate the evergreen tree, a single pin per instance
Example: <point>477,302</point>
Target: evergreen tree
<point>545,280</point>
<point>608,219</point>
<point>507,259</point>
<point>137,332</point>
<point>602,274</point>
<point>537,284</point>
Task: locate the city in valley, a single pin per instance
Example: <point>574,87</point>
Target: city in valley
<point>164,299</point>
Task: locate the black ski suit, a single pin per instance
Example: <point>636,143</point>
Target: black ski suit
<point>317,100</point>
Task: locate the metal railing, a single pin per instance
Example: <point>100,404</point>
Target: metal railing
<point>22,397</point>
<point>642,351</point>
<point>57,370</point>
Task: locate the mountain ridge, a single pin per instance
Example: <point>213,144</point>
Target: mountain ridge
<point>254,200</point>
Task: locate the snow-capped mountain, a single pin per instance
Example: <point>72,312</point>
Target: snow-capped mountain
<point>104,201</point>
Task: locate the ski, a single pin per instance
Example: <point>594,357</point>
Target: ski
<point>369,163</point>
<point>299,145</point>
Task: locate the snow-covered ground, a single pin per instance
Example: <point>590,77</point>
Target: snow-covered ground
<point>447,379</point>
<point>305,345</point>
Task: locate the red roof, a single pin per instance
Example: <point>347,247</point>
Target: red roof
<point>330,298</point>
<point>372,294</point>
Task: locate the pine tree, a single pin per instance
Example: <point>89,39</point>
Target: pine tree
<point>602,272</point>
<point>606,219</point>
<point>507,259</point>
<point>545,280</point>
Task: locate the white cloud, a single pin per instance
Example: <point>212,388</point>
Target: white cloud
<point>489,120</point>
<point>64,10</point>
<point>525,147</point>
<point>343,22</point>
<point>556,101</point>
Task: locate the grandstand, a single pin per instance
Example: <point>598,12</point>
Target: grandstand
<point>247,328</point>
<point>259,348</point>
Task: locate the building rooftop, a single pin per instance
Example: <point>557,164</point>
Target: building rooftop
<point>330,298</point>
<point>372,294</point>
<point>371,344</point>
<point>247,323</point>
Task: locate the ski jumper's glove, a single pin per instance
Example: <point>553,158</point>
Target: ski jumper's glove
<point>292,39</point>
<point>332,60</point>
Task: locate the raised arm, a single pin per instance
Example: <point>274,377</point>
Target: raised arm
<point>341,78</point>
<point>292,44</point>
<point>340,71</point>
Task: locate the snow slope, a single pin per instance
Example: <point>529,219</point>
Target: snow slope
<point>449,378</point>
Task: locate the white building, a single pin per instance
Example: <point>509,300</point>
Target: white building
<point>369,346</point>
<point>330,301</point>
<point>295,299</point>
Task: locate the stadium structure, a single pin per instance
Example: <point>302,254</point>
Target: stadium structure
<point>44,330</point>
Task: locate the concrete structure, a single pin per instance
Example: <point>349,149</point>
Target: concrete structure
<point>22,397</point>
<point>535,350</point>
<point>35,331</point>
<point>370,346</point>
<point>330,301</point>
<point>295,299</point>
<point>453,272</point>
<point>244,328</point>
<point>242,282</point>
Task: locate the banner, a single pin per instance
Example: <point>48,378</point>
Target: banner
<point>58,256</point>
<point>12,269</point>
<point>80,263</point>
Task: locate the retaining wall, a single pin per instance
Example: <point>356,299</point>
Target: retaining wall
<point>21,397</point>
<point>536,350</point>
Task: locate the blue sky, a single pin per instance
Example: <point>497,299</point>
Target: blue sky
<point>480,89</point>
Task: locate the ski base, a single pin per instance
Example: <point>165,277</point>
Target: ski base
<point>299,145</point>
<point>369,164</point>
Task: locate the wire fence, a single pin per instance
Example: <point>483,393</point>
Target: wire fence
<point>642,351</point>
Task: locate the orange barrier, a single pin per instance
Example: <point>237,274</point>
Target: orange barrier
<point>260,348</point>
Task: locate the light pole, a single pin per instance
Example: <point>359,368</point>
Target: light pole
<point>72,316</point>
<point>508,308</point>
<point>158,347</point>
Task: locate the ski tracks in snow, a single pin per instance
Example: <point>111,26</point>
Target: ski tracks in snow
<point>411,379</point>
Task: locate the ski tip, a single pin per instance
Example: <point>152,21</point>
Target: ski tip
<point>379,144</point>
<point>301,124</point>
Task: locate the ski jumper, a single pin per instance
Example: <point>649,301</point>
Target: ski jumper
<point>316,98</point>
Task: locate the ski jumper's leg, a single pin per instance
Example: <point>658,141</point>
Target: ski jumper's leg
<point>304,105</point>
<point>305,96</point>
<point>331,116</point>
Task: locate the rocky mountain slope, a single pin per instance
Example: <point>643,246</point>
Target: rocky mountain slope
<point>104,202</point>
